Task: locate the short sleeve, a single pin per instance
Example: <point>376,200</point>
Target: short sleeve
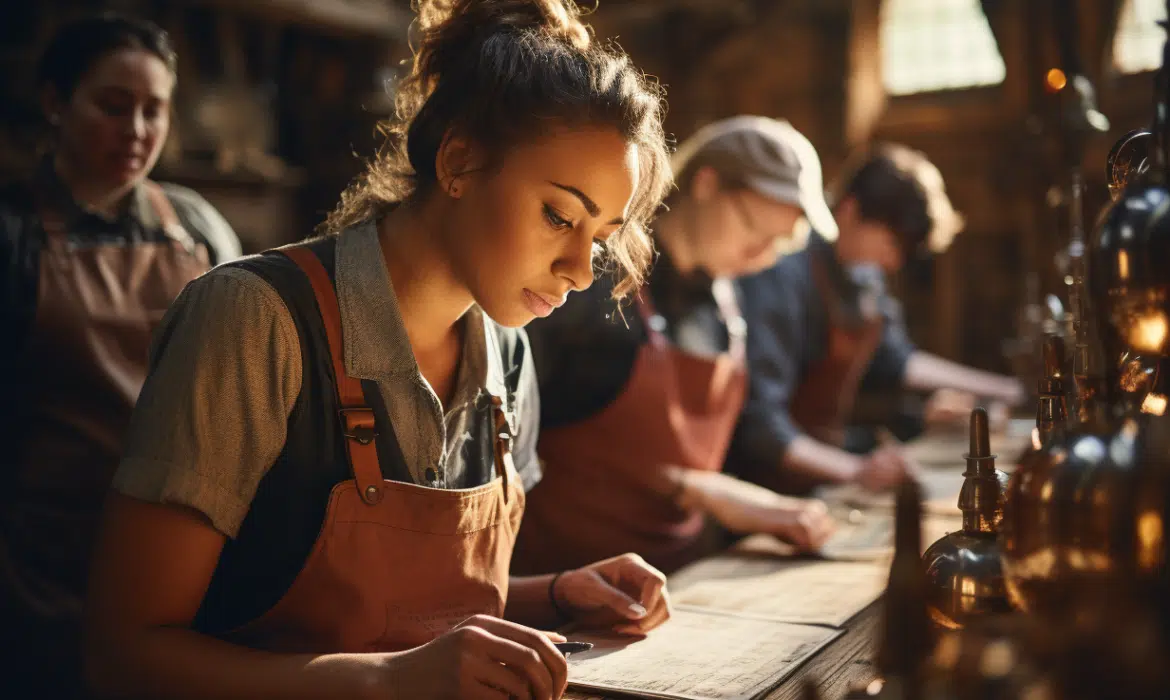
<point>528,417</point>
<point>212,416</point>
<point>205,223</point>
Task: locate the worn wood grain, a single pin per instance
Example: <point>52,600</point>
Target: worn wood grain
<point>844,664</point>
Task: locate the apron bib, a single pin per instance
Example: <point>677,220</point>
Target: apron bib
<point>824,400</point>
<point>97,307</point>
<point>395,564</point>
<point>594,501</point>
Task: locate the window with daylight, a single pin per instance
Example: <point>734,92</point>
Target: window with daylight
<point>931,45</point>
<point>1137,46</point>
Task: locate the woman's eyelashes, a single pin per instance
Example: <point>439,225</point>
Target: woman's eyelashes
<point>561,223</point>
<point>555,219</point>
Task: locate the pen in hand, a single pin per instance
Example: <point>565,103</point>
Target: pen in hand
<point>567,648</point>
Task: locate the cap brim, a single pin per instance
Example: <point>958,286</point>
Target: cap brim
<point>810,199</point>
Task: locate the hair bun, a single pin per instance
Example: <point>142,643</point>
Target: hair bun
<point>560,18</point>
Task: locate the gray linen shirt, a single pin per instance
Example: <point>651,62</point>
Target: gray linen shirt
<point>213,415</point>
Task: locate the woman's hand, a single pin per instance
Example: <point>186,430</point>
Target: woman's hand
<point>484,658</point>
<point>949,407</point>
<point>623,593</point>
<point>747,508</point>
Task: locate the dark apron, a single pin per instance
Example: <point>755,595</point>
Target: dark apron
<point>824,399</point>
<point>97,307</point>
<point>595,500</point>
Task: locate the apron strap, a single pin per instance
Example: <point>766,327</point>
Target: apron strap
<point>357,417</point>
<point>724,292</point>
<point>825,288</point>
<point>654,322</point>
<point>52,223</point>
<point>165,211</point>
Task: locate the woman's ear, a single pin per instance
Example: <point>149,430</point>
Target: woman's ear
<point>704,183</point>
<point>457,158</point>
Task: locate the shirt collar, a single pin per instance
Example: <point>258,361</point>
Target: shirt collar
<point>374,340</point>
<point>839,277</point>
<point>57,195</point>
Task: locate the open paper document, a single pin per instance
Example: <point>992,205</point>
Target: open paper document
<point>697,655</point>
<point>800,591</point>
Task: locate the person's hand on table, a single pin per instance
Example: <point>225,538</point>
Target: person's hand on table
<point>746,508</point>
<point>885,468</point>
<point>624,594</point>
<point>949,407</point>
<point>482,658</point>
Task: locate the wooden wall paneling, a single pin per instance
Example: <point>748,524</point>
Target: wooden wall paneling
<point>865,96</point>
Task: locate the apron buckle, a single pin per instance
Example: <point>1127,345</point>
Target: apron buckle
<point>359,425</point>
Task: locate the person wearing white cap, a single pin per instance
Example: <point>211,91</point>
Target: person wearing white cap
<point>637,408</point>
<point>824,327</point>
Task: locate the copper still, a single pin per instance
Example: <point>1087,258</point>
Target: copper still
<point>963,571</point>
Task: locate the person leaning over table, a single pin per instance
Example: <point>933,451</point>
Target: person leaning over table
<point>91,255</point>
<point>823,322</point>
<point>637,408</point>
<point>326,471</point>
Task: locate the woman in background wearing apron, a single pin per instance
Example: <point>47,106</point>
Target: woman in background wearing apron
<point>637,411</point>
<point>329,463</point>
<point>91,255</point>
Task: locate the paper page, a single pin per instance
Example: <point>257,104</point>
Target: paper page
<point>940,493</point>
<point>860,536</point>
<point>941,448</point>
<point>697,656</point>
<point>799,591</point>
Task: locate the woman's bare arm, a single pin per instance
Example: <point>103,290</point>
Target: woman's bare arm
<point>152,566</point>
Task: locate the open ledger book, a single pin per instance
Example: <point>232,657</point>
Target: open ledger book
<point>745,620</point>
<point>697,655</point>
<point>742,624</point>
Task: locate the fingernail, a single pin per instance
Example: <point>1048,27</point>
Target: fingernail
<point>638,610</point>
<point>558,637</point>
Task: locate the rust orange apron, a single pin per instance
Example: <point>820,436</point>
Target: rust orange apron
<point>595,499</point>
<point>97,307</point>
<point>396,564</point>
<point>824,400</point>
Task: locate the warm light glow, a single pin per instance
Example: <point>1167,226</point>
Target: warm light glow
<point>1123,264</point>
<point>998,659</point>
<point>1055,80</point>
<point>1154,404</point>
<point>930,45</point>
<point>1137,45</point>
<point>1148,333</point>
<point>1036,444</point>
<point>1150,548</point>
<point>947,651</point>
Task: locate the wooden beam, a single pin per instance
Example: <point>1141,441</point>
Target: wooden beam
<point>369,17</point>
<point>865,94</point>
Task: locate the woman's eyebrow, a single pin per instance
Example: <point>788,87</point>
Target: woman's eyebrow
<point>589,204</point>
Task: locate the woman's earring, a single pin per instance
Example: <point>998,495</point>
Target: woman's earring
<point>453,190</point>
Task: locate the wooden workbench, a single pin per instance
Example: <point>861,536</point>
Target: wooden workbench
<point>847,662</point>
